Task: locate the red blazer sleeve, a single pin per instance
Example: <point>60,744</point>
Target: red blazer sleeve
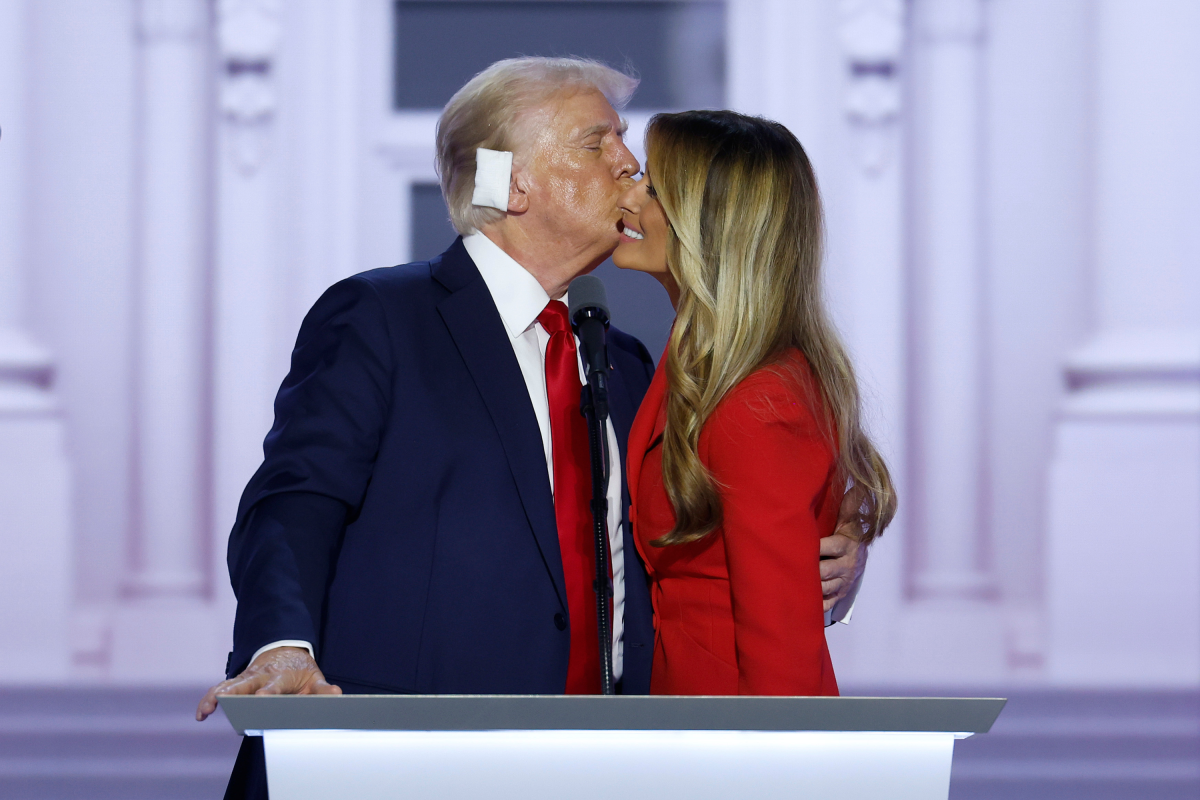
<point>775,468</point>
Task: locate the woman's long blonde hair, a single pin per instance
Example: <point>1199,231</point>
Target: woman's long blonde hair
<point>744,245</point>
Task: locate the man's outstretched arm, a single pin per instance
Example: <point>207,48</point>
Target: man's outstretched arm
<point>300,530</point>
<point>318,458</point>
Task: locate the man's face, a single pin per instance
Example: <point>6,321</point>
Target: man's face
<point>578,167</point>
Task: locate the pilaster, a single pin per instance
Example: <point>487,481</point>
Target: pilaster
<point>172,309</point>
<point>250,345</point>
<point>35,531</point>
<point>948,454</point>
<point>1123,482</point>
<point>161,631</point>
<point>866,275</point>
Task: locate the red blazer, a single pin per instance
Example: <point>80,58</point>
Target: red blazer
<point>740,611</point>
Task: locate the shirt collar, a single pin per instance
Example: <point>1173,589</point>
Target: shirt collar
<point>517,294</point>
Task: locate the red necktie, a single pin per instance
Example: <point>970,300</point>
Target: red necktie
<point>572,496</point>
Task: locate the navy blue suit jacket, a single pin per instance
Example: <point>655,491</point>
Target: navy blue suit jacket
<point>402,519</point>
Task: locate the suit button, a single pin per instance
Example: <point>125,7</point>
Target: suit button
<point>560,622</point>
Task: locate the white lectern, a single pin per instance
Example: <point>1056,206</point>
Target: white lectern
<point>446,747</point>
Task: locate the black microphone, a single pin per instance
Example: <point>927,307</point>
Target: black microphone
<point>589,318</point>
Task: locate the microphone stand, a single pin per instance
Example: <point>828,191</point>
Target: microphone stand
<point>598,445</point>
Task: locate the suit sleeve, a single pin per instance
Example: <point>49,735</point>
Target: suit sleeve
<point>634,348</point>
<point>773,466</point>
<point>318,458</point>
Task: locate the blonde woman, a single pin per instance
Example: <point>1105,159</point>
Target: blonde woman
<point>750,432</point>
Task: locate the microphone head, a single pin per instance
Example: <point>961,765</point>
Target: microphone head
<point>587,292</point>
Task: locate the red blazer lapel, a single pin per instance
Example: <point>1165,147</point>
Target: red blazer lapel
<point>642,432</point>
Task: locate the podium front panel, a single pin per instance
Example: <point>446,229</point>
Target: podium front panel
<point>540,747</point>
<point>603,764</point>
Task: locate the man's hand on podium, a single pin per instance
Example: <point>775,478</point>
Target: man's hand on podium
<point>843,556</point>
<point>283,670</point>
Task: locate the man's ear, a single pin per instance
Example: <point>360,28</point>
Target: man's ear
<point>518,192</point>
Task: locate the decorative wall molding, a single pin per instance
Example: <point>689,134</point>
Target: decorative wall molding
<point>872,37</point>
<point>1128,433</point>
<point>248,34</point>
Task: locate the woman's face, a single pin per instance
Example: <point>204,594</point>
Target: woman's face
<point>643,245</point>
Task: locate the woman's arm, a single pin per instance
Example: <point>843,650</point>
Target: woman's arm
<point>774,467</point>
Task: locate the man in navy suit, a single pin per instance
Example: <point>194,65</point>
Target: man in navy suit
<point>400,535</point>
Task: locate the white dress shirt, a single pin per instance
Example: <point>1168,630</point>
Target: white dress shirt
<point>520,298</point>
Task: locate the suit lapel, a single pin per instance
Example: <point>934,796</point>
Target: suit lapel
<point>623,408</point>
<point>474,323</point>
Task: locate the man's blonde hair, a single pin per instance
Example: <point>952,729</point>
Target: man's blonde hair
<point>487,112</point>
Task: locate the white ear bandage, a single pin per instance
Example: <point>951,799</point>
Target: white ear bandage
<point>493,174</point>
